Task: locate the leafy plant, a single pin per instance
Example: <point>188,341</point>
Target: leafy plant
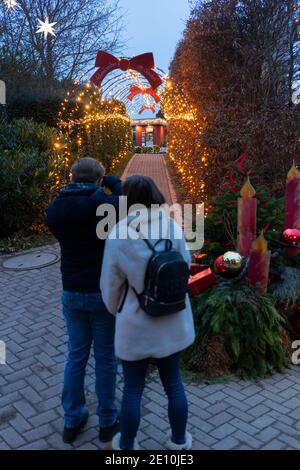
<point>26,161</point>
<point>250,323</point>
<point>154,149</point>
<point>221,220</point>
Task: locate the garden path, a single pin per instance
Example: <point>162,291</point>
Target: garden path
<point>155,167</point>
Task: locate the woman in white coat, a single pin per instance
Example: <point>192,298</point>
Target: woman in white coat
<point>139,336</point>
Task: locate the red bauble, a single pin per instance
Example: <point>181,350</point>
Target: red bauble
<point>291,236</point>
<point>220,267</point>
<point>229,265</point>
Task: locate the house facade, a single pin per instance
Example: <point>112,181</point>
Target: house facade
<point>149,132</point>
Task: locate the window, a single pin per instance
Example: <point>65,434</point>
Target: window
<point>134,136</point>
<point>149,137</point>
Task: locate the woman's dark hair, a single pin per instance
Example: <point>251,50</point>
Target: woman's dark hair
<point>142,190</point>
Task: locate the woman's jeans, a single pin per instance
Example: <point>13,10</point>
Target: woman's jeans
<point>134,383</point>
<point>89,322</point>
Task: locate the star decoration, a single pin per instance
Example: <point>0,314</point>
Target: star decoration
<point>46,28</point>
<point>10,4</point>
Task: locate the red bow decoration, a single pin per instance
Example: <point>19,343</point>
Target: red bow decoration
<point>241,162</point>
<point>135,90</point>
<point>240,167</point>
<point>146,108</point>
<point>144,64</point>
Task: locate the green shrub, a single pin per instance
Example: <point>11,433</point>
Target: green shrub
<point>26,161</point>
<point>250,323</point>
<point>154,149</point>
<point>107,136</point>
<point>40,110</point>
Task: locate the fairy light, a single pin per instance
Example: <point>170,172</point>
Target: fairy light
<point>185,149</point>
<point>85,116</point>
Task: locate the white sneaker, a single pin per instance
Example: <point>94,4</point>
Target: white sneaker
<point>186,446</point>
<point>116,443</point>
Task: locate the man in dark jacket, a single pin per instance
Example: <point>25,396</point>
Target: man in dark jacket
<point>72,220</point>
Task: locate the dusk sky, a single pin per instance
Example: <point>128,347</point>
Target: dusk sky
<point>154,26</point>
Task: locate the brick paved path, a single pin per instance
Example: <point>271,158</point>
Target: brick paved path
<point>236,415</point>
<point>155,167</point>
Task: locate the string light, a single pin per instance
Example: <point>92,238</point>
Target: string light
<point>185,148</point>
<point>86,122</point>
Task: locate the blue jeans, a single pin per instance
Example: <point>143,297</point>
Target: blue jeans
<point>88,321</point>
<point>134,383</point>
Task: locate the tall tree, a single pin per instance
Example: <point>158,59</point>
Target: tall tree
<point>82,27</point>
<point>238,65</point>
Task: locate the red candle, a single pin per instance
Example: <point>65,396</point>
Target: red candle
<point>259,266</point>
<point>247,211</point>
<point>292,199</point>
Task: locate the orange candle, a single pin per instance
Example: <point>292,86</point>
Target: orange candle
<point>259,266</point>
<point>292,199</point>
<point>247,212</point>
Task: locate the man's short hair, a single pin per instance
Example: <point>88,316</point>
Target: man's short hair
<point>87,170</point>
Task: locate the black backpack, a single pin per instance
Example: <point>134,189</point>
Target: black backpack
<point>166,281</point>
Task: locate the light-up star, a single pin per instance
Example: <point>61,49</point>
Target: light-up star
<point>10,4</point>
<point>46,28</point>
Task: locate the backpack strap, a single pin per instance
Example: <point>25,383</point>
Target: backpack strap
<point>124,298</point>
<point>152,248</point>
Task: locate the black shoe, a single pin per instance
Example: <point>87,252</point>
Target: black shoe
<point>107,433</point>
<point>70,434</point>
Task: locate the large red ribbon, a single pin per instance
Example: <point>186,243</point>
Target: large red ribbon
<point>135,90</point>
<point>144,64</point>
<point>147,108</point>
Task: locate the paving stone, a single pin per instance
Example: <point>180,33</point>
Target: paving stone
<point>39,433</point>
<point>223,431</point>
<point>267,434</point>
<point>157,421</point>
<point>24,408</point>
<point>290,441</point>
<point>246,427</point>
<point>259,410</point>
<point>274,445</point>
<point>220,419</point>
<point>246,439</point>
<point>263,422</point>
<point>44,418</point>
<point>12,437</point>
<point>226,444</point>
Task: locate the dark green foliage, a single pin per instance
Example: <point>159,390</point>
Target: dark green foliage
<point>26,161</point>
<point>251,324</point>
<point>40,110</point>
<point>154,149</point>
<point>221,221</point>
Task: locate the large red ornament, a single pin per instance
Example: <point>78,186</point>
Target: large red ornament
<point>291,236</point>
<point>144,64</point>
<point>135,90</point>
<point>219,266</point>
